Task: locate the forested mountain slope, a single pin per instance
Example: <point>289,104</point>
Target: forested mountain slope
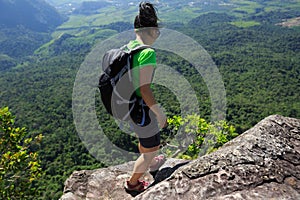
<point>24,26</point>
<point>35,15</point>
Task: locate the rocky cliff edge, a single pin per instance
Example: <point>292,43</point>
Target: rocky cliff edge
<point>262,163</point>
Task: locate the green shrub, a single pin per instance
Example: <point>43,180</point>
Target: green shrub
<point>197,136</point>
<point>19,166</point>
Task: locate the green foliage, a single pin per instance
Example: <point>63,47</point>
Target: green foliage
<point>6,62</point>
<point>206,136</point>
<point>19,42</point>
<point>19,166</point>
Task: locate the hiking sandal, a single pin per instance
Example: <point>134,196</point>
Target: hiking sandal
<point>160,160</point>
<point>136,189</point>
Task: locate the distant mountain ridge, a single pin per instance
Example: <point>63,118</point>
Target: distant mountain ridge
<point>25,25</point>
<point>36,15</point>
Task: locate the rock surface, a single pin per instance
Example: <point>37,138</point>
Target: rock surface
<point>262,163</point>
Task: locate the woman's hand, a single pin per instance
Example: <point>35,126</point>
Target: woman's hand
<point>160,115</point>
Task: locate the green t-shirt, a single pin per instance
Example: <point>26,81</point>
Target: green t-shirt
<point>146,57</point>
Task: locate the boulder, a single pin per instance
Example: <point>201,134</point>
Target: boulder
<point>262,163</point>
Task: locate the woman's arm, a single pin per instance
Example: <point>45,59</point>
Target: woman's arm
<point>146,74</point>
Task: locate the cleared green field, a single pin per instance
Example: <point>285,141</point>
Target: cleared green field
<point>179,11</point>
<point>105,16</point>
<point>245,24</point>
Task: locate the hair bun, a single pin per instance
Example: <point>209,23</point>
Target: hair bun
<point>147,16</point>
<point>146,6</point>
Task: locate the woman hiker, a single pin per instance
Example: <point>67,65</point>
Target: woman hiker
<point>147,129</point>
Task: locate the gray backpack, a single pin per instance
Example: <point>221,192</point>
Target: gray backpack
<point>115,84</point>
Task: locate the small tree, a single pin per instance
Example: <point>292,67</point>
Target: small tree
<point>19,167</point>
<point>196,137</point>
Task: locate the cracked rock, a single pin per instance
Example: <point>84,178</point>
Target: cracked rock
<point>262,163</point>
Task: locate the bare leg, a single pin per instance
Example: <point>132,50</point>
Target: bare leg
<point>142,163</point>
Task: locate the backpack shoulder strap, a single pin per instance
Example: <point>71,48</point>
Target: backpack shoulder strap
<point>137,48</point>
